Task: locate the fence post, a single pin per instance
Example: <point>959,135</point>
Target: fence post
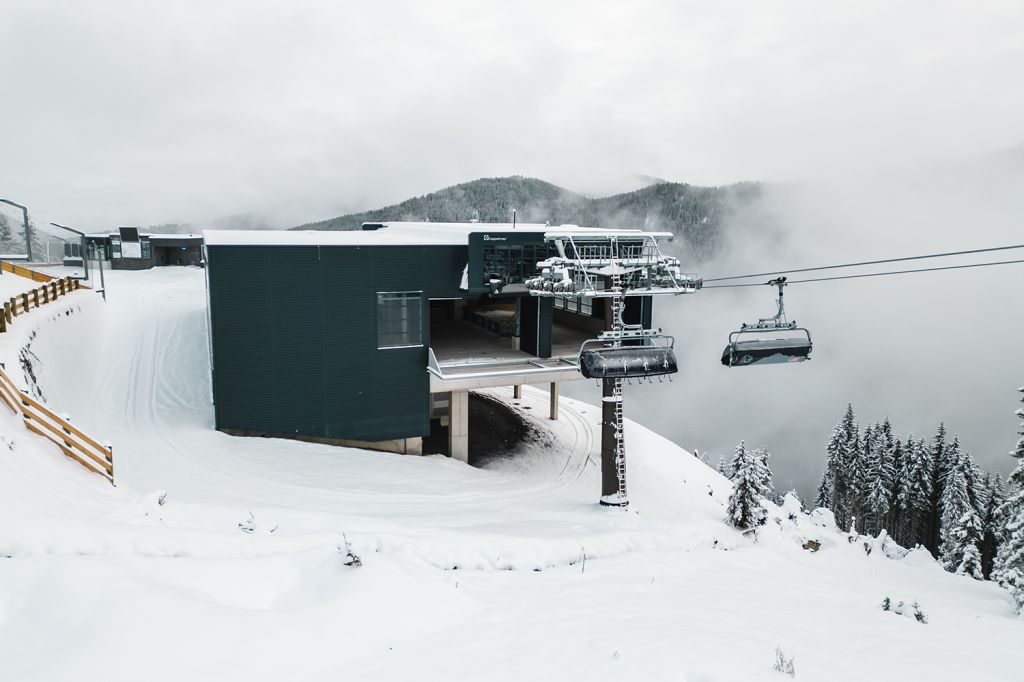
<point>110,459</point>
<point>7,314</point>
<point>3,321</point>
<point>24,301</point>
<point>35,297</point>
<point>66,430</point>
<point>14,307</point>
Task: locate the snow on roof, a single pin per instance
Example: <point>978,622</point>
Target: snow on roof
<point>395,234</point>
<point>150,235</point>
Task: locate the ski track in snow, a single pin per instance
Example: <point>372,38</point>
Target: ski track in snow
<point>112,581</point>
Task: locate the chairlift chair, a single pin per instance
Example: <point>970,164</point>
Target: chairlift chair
<point>770,340</point>
<point>653,355</point>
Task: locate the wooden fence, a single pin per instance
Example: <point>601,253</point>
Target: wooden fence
<point>41,420</point>
<point>38,418</point>
<point>47,293</point>
<point>33,275</point>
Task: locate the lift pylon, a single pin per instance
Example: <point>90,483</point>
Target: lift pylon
<point>614,267</point>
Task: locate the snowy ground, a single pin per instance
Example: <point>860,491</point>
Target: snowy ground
<point>12,285</point>
<point>506,573</point>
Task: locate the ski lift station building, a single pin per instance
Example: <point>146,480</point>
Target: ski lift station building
<point>373,338</point>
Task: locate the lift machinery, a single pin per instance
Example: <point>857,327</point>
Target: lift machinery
<point>599,265</point>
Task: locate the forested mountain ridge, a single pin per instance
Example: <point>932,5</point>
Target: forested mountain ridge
<point>695,213</point>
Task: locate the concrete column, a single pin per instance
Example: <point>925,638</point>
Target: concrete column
<point>517,392</point>
<point>554,400</point>
<point>458,425</point>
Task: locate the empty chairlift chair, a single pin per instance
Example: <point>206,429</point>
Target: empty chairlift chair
<point>768,341</point>
<point>646,353</point>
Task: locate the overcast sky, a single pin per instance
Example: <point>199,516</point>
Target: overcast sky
<point>147,112</point>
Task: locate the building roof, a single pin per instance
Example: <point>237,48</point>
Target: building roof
<point>148,235</point>
<point>398,234</point>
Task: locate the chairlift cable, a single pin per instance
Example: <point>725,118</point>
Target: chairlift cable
<point>863,263</point>
<point>867,274</point>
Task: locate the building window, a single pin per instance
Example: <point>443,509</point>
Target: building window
<point>399,319</point>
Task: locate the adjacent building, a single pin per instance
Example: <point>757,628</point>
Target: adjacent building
<point>129,249</point>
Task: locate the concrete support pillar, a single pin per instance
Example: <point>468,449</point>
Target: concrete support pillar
<point>554,400</point>
<point>458,425</point>
<point>517,392</point>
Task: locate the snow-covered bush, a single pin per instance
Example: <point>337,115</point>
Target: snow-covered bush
<point>350,558</point>
<point>782,664</point>
<point>900,608</point>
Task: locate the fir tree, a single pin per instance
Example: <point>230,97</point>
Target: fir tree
<point>832,489</point>
<point>6,236</point>
<point>955,504</point>
<point>878,477</point>
<point>938,474</point>
<point>857,466</point>
<point>916,493</point>
<point>1009,564</point>
<point>724,467</point>
<point>966,538</point>
<point>752,485</point>
<point>895,522</point>
<point>823,495</point>
<point>992,523</point>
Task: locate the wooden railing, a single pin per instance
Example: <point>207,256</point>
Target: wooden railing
<point>33,275</point>
<point>47,293</point>
<point>42,421</point>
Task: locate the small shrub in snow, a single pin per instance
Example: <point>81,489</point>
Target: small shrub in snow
<point>350,558</point>
<point>782,664</point>
<point>900,608</point>
<point>250,526</point>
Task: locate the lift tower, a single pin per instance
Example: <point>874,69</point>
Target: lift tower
<point>614,266</point>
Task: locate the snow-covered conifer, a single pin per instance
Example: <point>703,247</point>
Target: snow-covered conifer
<point>724,467</point>
<point>832,489</point>
<point>955,504</point>
<point>752,485</point>
<point>992,523</point>
<point>878,476</point>
<point>938,473</point>
<point>916,493</point>
<point>1009,564</point>
<point>966,538</point>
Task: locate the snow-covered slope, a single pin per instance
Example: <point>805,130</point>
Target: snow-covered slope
<point>509,572</point>
<point>13,285</point>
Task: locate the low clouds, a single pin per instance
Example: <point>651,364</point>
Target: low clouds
<point>163,112</point>
<point>158,112</point>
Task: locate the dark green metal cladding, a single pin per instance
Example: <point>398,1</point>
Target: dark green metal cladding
<point>294,338</point>
<point>515,251</point>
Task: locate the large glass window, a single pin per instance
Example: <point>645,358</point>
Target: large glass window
<point>399,319</point>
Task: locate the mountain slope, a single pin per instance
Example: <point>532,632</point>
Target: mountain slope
<point>697,214</point>
<point>222,558</point>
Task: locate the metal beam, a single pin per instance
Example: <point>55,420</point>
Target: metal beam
<point>28,230</point>
<point>81,237</point>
